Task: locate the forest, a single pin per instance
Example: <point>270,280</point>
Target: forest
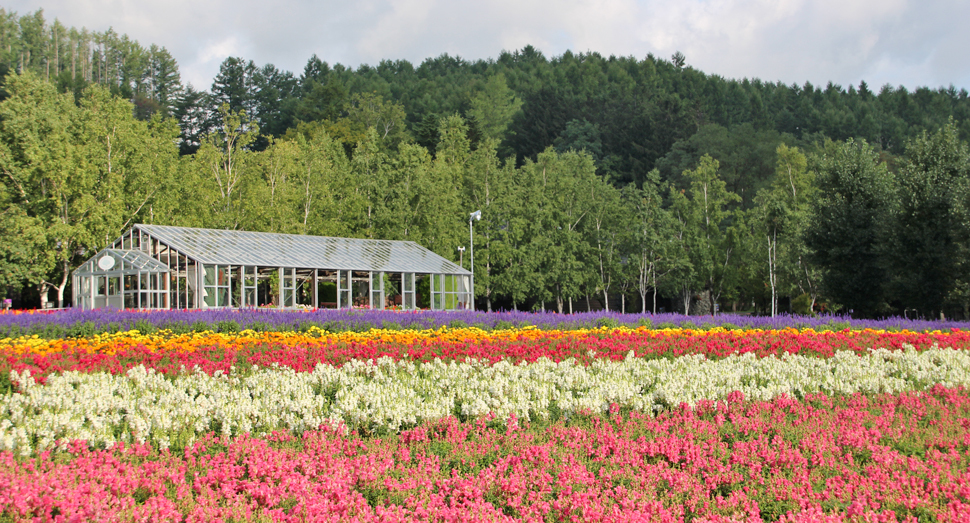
<point>635,184</point>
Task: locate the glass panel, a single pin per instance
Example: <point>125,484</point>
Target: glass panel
<point>114,285</point>
<point>223,297</point>
<point>130,300</point>
<point>343,279</point>
<point>210,274</point>
<point>209,296</point>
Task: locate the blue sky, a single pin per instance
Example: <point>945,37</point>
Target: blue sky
<point>899,42</point>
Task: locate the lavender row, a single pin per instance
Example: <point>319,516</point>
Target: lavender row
<point>83,323</point>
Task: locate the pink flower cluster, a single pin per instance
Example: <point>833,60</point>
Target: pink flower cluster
<point>860,458</point>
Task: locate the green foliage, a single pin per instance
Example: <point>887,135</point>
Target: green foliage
<point>596,175</point>
<point>802,304</point>
<point>607,323</point>
<point>504,325</point>
<point>850,227</point>
<point>82,330</point>
<point>645,322</point>
<point>144,326</point>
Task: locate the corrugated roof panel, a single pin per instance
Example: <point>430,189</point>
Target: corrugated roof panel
<point>224,247</point>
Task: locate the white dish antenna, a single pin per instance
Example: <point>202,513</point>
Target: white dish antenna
<point>106,262</point>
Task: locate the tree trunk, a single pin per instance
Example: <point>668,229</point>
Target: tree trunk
<point>62,286</point>
<point>606,301</point>
<point>43,288</point>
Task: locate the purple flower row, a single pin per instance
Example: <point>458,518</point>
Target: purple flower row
<point>76,322</point>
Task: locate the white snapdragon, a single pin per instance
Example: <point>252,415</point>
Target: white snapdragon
<point>384,394</point>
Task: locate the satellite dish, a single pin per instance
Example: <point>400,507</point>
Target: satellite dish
<point>106,262</point>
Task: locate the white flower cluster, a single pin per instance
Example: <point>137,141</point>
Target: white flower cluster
<point>385,395</point>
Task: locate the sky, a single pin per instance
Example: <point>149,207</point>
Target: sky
<point>898,42</point>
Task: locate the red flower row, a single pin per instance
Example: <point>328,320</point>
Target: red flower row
<point>868,458</point>
<point>303,352</point>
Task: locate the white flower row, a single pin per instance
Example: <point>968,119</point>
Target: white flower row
<point>385,395</point>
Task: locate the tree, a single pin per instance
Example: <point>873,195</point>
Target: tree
<point>75,174</point>
<point>225,174</point>
<point>931,232</point>
<point>488,186</point>
<point>604,232</point>
<point>493,109</point>
<point>234,87</point>
<point>654,249</point>
<point>705,215</point>
<point>369,111</point>
<point>849,228</point>
<point>557,196</point>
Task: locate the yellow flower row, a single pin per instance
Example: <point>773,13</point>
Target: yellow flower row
<point>110,343</point>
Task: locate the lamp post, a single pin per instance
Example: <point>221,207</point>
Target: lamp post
<point>461,253</point>
<point>477,215</point>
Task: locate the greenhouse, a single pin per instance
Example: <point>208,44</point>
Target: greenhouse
<point>164,267</point>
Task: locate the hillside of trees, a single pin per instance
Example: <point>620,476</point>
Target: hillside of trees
<point>614,182</point>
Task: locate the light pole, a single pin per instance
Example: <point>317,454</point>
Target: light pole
<point>477,215</point>
<point>461,253</point>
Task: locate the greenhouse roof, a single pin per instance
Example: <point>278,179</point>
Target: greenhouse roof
<point>224,247</point>
<point>122,260</point>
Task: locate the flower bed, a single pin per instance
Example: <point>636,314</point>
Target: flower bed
<point>386,396</point>
<point>78,323</point>
<point>170,353</point>
<point>468,424</point>
<point>883,457</point>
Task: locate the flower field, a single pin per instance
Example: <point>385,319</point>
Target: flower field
<point>498,422</point>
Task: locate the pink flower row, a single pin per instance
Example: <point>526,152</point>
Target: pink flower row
<point>865,458</point>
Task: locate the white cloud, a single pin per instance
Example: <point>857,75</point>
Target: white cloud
<point>881,41</point>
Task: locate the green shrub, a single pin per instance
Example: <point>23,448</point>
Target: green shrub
<point>608,323</point>
<point>306,326</point>
<point>229,326</point>
<point>645,322</point>
<point>504,325</point>
<point>457,324</point>
<point>144,326</point>
<point>201,326</point>
<point>802,304</point>
<point>839,325</point>
<point>82,330</point>
<point>666,325</point>
<point>177,327</point>
<point>333,326</point>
